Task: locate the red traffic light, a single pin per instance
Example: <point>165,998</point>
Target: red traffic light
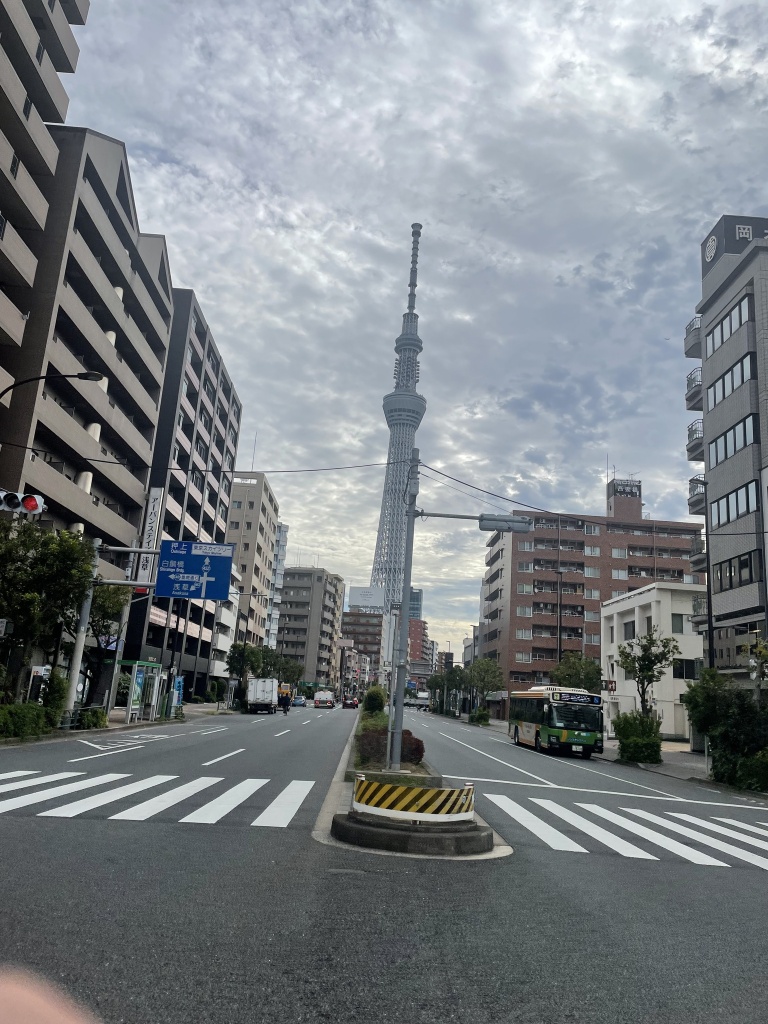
<point>32,503</point>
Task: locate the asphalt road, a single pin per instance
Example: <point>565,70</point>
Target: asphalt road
<point>197,894</point>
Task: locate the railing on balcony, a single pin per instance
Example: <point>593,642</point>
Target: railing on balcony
<point>695,430</point>
<point>696,485</point>
<point>693,325</point>
<point>693,380</point>
<point>700,605</point>
<point>698,546</point>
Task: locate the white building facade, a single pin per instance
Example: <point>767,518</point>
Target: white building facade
<point>668,606</point>
<point>225,628</point>
<point>276,585</point>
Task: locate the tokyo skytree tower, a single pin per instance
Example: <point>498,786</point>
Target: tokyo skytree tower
<point>404,410</point>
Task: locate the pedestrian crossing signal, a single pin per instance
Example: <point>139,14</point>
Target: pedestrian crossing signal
<point>25,504</point>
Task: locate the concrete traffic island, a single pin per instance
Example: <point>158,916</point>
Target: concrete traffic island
<point>413,819</point>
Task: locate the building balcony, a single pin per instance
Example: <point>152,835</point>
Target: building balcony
<point>693,338</point>
<point>698,555</point>
<point>18,265</point>
<point>22,42</point>
<point>26,132</point>
<point>699,609</point>
<point>695,446</point>
<point>697,495</point>
<point>20,198</point>
<point>693,391</point>
<point>12,322</point>
<point>58,38</point>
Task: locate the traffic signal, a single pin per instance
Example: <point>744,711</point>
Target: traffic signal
<point>26,504</point>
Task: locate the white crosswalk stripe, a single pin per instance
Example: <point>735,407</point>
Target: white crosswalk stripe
<point>551,836</point>
<point>16,775</point>
<point>741,824</point>
<point>8,787</point>
<point>716,844</point>
<point>215,810</point>
<point>28,799</point>
<point>161,803</point>
<point>657,838</point>
<point>761,844</point>
<point>282,809</point>
<point>596,831</point>
<point>100,799</point>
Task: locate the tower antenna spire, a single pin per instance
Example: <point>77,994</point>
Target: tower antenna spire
<point>416,235</point>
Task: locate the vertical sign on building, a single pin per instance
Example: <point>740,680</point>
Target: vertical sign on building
<point>151,532</point>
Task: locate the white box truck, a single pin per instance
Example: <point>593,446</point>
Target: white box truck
<point>262,696</point>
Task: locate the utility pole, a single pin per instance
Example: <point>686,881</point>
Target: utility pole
<point>82,629</point>
<point>402,660</point>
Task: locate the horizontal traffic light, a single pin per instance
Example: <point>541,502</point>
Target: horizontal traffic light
<point>26,504</point>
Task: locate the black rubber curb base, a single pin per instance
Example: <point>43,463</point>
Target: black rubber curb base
<point>457,839</point>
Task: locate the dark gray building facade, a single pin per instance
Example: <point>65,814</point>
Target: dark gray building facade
<point>728,439</point>
<point>191,480</point>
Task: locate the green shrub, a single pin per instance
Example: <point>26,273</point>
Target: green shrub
<point>378,720</point>
<point>210,697</point>
<point>375,700</point>
<point>123,688</point>
<point>54,698</point>
<point>372,746</point>
<point>92,718</point>
<point>752,772</point>
<point>639,738</point>
<point>23,720</point>
<point>480,716</point>
<point>221,689</point>
<point>412,749</point>
<point>196,699</point>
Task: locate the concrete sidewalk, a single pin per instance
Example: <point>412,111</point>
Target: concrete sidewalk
<point>678,761</point>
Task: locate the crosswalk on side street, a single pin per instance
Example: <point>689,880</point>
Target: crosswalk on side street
<point>29,789</point>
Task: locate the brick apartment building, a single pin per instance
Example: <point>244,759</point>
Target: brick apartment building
<point>419,651</point>
<point>554,580</point>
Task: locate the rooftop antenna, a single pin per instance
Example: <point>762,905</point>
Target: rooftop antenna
<point>253,457</point>
<point>416,234</point>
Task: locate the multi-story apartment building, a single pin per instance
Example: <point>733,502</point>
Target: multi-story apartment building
<point>36,45</point>
<point>419,651</point>
<point>416,604</point>
<point>102,303</point>
<point>224,630</point>
<point>276,585</point>
<point>444,661</point>
<point>191,479</point>
<point>252,528</point>
<point>368,631</point>
<point>471,647</point>
<point>729,335</point>
<point>544,589</point>
<point>310,623</point>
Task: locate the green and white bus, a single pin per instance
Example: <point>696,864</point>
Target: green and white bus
<point>557,719</point>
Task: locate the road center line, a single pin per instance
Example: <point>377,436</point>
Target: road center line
<point>209,732</point>
<point>120,750</point>
<point>281,733</point>
<point>223,757</point>
<point>307,721</point>
<point>506,763</point>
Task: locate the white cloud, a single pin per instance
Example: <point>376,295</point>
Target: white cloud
<point>565,160</point>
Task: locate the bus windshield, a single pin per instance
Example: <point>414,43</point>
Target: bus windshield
<point>575,716</point>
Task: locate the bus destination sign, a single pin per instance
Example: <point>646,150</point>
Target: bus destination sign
<point>577,698</point>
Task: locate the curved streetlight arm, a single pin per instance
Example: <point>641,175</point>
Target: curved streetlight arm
<point>85,375</point>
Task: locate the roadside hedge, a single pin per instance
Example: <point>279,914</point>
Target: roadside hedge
<point>639,737</point>
<point>21,721</point>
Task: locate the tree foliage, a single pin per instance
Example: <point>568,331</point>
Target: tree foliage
<point>578,672</point>
<point>484,676</point>
<point>645,659</point>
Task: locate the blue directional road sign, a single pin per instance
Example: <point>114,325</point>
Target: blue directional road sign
<point>190,568</point>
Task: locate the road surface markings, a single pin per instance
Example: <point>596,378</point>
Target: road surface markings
<point>223,757</point>
<point>26,783</point>
<point>88,803</point>
<point>307,721</point>
<point>208,732</point>
<point>16,775</point>
<point>282,809</point>
<point>48,794</point>
<point>716,844</point>
<point>596,831</point>
<point>213,811</point>
<point>90,757</point>
<point>740,824</point>
<point>538,778</point>
<point>161,803</point>
<point>282,733</point>
<point>761,844</point>
<point>687,852</point>
<point>554,839</point>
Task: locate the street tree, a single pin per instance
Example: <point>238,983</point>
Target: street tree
<point>485,676</point>
<point>243,659</point>
<point>44,578</point>
<point>577,672</point>
<point>290,671</point>
<point>645,659</point>
<point>103,627</point>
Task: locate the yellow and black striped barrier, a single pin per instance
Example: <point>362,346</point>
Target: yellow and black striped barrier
<point>414,803</point>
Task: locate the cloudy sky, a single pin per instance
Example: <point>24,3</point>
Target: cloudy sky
<point>565,157</point>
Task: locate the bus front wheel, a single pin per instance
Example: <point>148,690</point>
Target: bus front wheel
<point>517,737</point>
<point>537,743</point>
<point>586,754</point>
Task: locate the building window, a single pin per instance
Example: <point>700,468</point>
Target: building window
<point>619,574</point>
<point>523,656</point>
<point>524,611</point>
<point>649,624</point>
<point>525,566</point>
<point>592,595</point>
<point>591,616</point>
<point>618,552</point>
<point>629,630</point>
<point>592,570</point>
<point>591,529</point>
<point>611,629</point>
<point>734,505</point>
<point>686,668</point>
<point>235,524</point>
<point>40,52</point>
<point>246,546</point>
<point>525,588</point>
<point>27,107</point>
<point>593,551</point>
<point>729,324</point>
<point>237,504</point>
<point>593,638</point>
<point>248,525</point>
<point>737,572</point>
<point>525,545</point>
<point>677,622</point>
<point>618,593</point>
<point>15,165</point>
<point>733,440</point>
<point>523,634</point>
<point>742,371</point>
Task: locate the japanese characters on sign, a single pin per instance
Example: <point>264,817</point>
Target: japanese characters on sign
<point>151,531</point>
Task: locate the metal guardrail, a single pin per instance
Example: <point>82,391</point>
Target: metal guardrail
<point>693,325</point>
<point>693,380</point>
<point>696,486</point>
<point>695,430</point>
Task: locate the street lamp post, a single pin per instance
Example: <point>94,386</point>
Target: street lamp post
<point>93,375</point>
<point>559,614</point>
<point>486,521</point>
<point>710,617</point>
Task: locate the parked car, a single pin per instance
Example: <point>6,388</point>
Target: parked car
<point>299,702</point>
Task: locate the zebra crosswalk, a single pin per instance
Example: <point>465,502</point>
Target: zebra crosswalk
<point>735,839</point>
<point>28,789</point>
